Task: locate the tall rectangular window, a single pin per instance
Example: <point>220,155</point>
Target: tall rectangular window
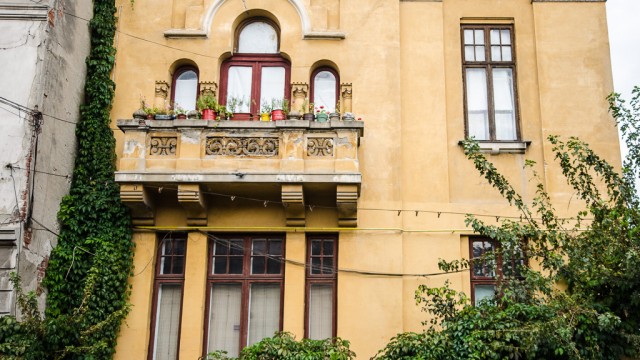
<point>245,284</point>
<point>167,305</point>
<point>320,306</point>
<point>489,82</point>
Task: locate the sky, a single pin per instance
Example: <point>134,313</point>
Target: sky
<point>623,17</point>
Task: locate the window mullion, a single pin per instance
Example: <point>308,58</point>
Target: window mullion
<point>255,85</point>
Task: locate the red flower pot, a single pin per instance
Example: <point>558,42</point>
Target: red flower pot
<point>182,116</point>
<point>208,114</point>
<point>277,115</point>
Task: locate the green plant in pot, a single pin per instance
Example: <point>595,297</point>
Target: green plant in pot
<point>180,112</point>
<point>208,106</point>
<point>307,110</point>
<point>321,114</point>
<point>279,108</point>
<point>265,111</point>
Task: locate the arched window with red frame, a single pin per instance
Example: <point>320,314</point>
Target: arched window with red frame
<point>184,88</point>
<point>256,74</point>
<point>325,88</point>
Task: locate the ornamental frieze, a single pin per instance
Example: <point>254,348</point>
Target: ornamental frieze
<point>163,145</point>
<point>243,146</point>
<point>320,146</point>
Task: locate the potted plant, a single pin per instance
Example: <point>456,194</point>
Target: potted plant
<point>321,114</point>
<point>279,107</point>
<point>180,113</point>
<point>348,116</point>
<point>208,105</point>
<point>307,109</point>
<point>265,111</point>
<point>224,113</point>
<point>234,105</point>
<point>335,115</point>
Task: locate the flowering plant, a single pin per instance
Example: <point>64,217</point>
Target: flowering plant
<point>321,110</point>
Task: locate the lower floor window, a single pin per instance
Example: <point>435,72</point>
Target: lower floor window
<point>246,276</point>
<point>321,286</point>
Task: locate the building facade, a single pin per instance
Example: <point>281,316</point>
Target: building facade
<point>244,227</point>
<point>42,71</point>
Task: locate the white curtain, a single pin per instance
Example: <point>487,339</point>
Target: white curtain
<point>258,38</point>
<point>224,318</point>
<point>239,87</point>
<point>482,292</point>
<point>167,322</point>
<point>504,104</point>
<point>264,311</point>
<point>320,311</point>
<point>186,90</point>
<point>324,91</point>
<point>477,106</point>
<point>271,84</point>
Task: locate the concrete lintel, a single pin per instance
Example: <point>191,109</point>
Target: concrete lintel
<point>238,177</point>
<point>185,33</point>
<point>324,35</point>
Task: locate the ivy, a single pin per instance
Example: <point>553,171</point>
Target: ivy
<point>88,270</point>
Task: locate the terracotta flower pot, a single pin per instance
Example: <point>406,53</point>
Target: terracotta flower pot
<point>277,115</point>
<point>182,116</point>
<point>208,114</point>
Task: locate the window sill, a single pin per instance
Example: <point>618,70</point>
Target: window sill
<point>502,147</point>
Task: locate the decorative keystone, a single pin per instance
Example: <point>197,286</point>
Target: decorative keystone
<point>347,202</point>
<point>293,199</point>
<point>138,199</point>
<point>191,198</point>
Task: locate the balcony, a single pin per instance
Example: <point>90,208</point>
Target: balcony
<point>292,158</point>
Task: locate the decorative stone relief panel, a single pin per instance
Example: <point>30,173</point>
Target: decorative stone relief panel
<point>242,146</point>
<point>163,145</point>
<point>208,88</point>
<point>320,146</point>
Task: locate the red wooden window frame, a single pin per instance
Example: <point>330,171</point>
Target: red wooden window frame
<point>170,278</point>
<point>245,278</point>
<point>488,64</point>
<point>313,82</point>
<point>179,72</point>
<point>328,275</point>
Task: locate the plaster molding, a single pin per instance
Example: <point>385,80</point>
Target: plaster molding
<point>137,177</point>
<point>26,12</point>
<point>502,147</point>
<point>207,21</point>
<point>191,198</point>
<point>347,203</point>
<point>138,199</point>
<point>162,89</point>
<point>293,200</point>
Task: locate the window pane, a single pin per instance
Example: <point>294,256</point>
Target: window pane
<point>481,292</point>
<point>469,53</point>
<point>315,247</point>
<point>506,53</point>
<point>271,85</point>
<point>220,265</point>
<point>186,90</point>
<point>258,38</point>
<point>505,36</point>
<point>235,265</point>
<point>220,247</point>
<point>224,318</point>
<point>324,90</point>
<point>320,311</point>
<point>315,266</point>
<point>239,87</point>
<point>495,37</point>
<point>165,345</point>
<point>328,266</point>
<point>275,247</point>
<point>264,311</point>
<point>496,53</point>
<point>257,265</point>
<point>479,36</point>
<point>273,266</point>
<point>259,247</point>
<point>477,107</point>
<point>468,37</point>
<point>479,53</point>
<point>237,247</point>
<point>504,103</point>
<point>328,247</point>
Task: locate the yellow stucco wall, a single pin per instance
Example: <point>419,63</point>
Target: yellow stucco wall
<point>404,61</point>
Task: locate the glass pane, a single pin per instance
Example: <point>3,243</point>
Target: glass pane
<point>479,53</point>
<point>495,37</point>
<point>178,247</point>
<point>259,247</point>
<point>165,265</point>
<point>469,53</point>
<point>257,265</point>
<point>481,292</point>
<point>505,36</point>
<point>315,266</point>
<point>324,91</point>
<point>165,344</point>
<point>220,247</point>
<point>496,54</point>
<point>504,103</point>
<point>468,36</point>
<point>320,311</point>
<point>235,265</point>
<point>224,318</point>
<point>186,90</point>
<point>178,265</point>
<point>264,312</point>
<point>328,247</point>
<point>271,85</point>
<point>479,36</point>
<point>275,247</point>
<point>258,38</point>
<point>506,53</point>
<point>220,265</point>
<point>328,265</point>
<point>315,247</point>
<point>273,266</point>
<point>237,247</point>
<point>239,87</point>
<point>477,107</point>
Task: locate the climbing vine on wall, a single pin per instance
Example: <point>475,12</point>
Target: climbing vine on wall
<point>87,274</point>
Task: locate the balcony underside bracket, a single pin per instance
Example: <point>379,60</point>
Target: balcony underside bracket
<point>138,199</point>
<point>293,200</point>
<point>191,198</point>
<point>347,202</point>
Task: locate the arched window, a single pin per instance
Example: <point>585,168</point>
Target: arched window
<point>184,89</point>
<point>256,75</point>
<point>324,88</point>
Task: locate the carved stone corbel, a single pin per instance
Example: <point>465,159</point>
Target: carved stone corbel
<point>346,92</point>
<point>208,88</point>
<point>293,199</point>
<point>161,94</point>
<point>191,198</point>
<point>347,202</point>
<point>299,92</point>
<point>138,199</point>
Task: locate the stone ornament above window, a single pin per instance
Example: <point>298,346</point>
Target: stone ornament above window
<point>163,145</point>
<point>244,146</point>
<point>320,147</point>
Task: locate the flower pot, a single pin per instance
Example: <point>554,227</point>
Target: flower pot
<point>264,117</point>
<point>334,116</point>
<point>321,117</point>
<point>182,116</point>
<point>307,116</point>
<point>348,117</point>
<point>208,114</point>
<point>277,115</point>
<point>163,117</point>
<point>150,116</point>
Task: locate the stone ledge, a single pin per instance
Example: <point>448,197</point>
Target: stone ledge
<point>502,147</point>
<point>237,177</point>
